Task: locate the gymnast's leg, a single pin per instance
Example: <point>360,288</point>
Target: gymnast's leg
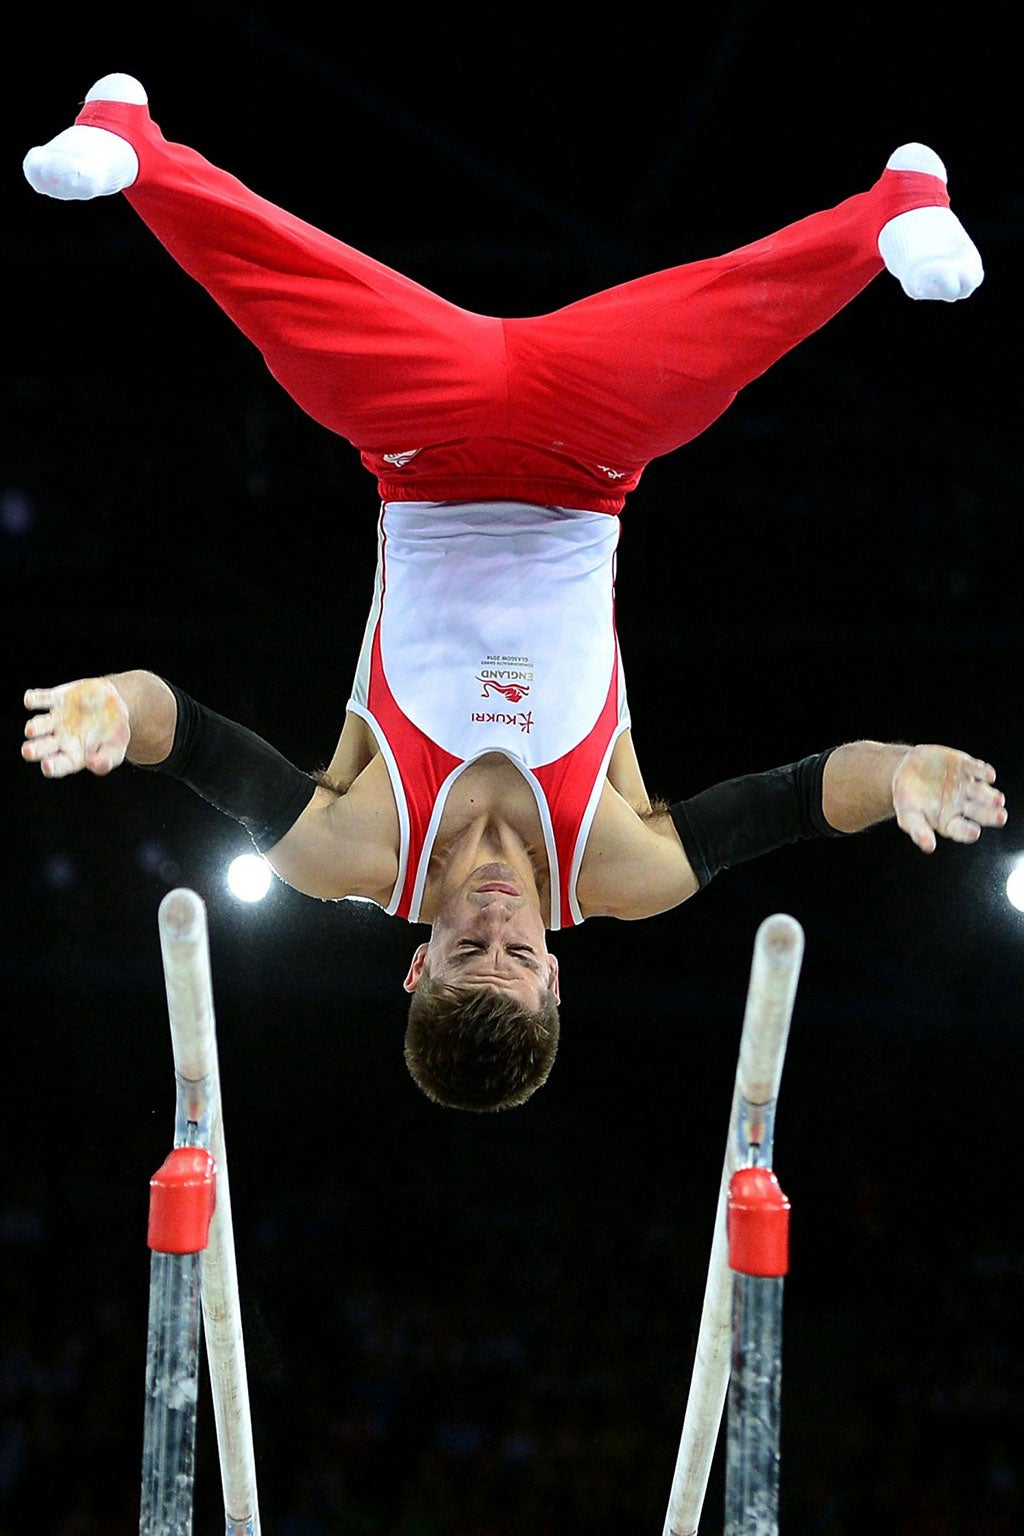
<point>659,358</point>
<point>365,351</point>
<point>605,385</point>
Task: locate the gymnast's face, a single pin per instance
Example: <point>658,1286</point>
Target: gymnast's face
<point>489,933</point>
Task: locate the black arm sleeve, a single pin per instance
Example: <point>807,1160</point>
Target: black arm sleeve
<point>236,771</point>
<point>744,818</point>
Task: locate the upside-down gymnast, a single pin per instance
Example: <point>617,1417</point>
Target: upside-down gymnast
<point>485,781</point>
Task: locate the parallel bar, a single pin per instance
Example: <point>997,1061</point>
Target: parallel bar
<point>771,994</point>
<point>184,945</point>
<point>755,1397</point>
<point>172,1391</point>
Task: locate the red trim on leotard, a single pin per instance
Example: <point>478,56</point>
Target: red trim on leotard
<point>568,783</point>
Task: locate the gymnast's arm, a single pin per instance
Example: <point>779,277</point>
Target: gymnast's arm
<point>637,868</point>
<point>322,842</point>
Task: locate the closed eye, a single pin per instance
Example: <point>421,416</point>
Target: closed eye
<point>527,956</point>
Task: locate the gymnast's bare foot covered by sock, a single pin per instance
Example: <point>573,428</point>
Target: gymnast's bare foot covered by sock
<point>85,162</point>
<point>928,249</point>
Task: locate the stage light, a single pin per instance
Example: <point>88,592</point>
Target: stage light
<point>249,877</point>
<point>1015,885</point>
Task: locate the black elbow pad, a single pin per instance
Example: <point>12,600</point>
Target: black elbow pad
<point>236,771</point>
<point>746,817</point>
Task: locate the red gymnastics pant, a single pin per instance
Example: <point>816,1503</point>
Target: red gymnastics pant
<point>443,404</point>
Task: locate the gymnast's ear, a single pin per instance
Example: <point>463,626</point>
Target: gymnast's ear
<point>419,960</point>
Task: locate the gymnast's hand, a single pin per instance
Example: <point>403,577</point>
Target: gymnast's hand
<point>938,790</point>
<point>83,725</point>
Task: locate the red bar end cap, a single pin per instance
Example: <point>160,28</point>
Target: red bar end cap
<point>758,1223</point>
<point>182,1196</point>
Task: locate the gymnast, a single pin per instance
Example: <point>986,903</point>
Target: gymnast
<point>485,781</point>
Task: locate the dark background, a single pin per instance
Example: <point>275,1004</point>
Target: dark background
<point>463,1326</point>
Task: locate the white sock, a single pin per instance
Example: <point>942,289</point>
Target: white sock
<point>916,157</point>
<point>118,88</point>
<point>928,249</point>
<point>83,161</point>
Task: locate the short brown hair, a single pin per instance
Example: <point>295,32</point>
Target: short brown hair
<point>476,1048</point>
